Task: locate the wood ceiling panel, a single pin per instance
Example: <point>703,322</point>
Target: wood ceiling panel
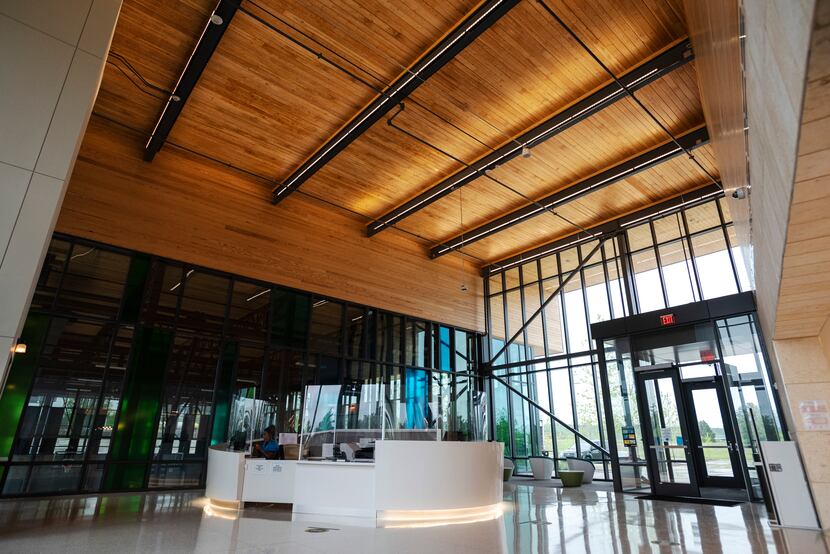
<point>384,166</point>
<point>618,132</point>
<point>156,38</point>
<point>518,72</point>
<point>266,104</point>
<point>382,37</point>
<point>663,181</point>
<point>526,65</point>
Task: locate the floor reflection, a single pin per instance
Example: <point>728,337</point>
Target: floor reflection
<point>588,521</point>
<point>535,519</point>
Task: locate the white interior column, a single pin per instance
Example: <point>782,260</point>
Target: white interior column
<point>54,53</point>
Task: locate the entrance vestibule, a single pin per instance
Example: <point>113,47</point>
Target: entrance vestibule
<point>688,397</point>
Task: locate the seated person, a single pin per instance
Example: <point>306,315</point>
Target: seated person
<point>268,448</point>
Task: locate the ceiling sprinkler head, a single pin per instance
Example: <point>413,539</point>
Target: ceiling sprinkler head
<point>526,153</point>
<point>464,287</point>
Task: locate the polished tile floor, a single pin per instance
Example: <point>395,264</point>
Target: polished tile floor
<point>535,519</point>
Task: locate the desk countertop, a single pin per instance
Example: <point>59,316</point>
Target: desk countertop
<point>339,464</point>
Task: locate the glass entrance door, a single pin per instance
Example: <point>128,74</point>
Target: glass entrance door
<point>666,431</point>
<point>716,451</point>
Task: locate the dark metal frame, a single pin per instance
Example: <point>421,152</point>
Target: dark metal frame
<point>702,312</point>
<point>663,153</point>
<point>509,368</point>
<point>645,73</point>
<point>670,489</point>
<point>553,295</point>
<point>212,33</point>
<point>563,280</point>
<point>344,357</point>
<point>698,454</point>
<point>536,405</point>
<point>464,33</point>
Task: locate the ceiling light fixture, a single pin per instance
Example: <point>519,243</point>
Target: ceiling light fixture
<point>257,295</point>
<point>397,92</point>
<point>19,348</point>
<point>692,139</point>
<point>177,285</point>
<point>645,73</point>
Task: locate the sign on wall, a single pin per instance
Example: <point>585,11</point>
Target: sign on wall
<point>629,436</point>
<point>815,414</point>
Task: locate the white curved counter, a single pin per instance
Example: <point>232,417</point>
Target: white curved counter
<point>429,475</point>
<point>225,472</point>
<point>409,481</point>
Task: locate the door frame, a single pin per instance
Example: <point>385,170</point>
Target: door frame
<point>643,373</point>
<point>737,481</point>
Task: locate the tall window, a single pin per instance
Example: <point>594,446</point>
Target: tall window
<point>135,364</point>
<point>666,261</point>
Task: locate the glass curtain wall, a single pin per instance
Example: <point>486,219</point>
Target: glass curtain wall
<point>667,260</point>
<point>729,348</point>
<point>136,364</point>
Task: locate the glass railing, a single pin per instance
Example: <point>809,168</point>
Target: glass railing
<point>343,421</point>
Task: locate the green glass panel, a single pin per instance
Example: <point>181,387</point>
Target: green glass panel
<point>120,504</point>
<point>134,289</point>
<point>124,477</point>
<point>224,392</point>
<point>19,381</point>
<point>134,434</point>
<point>290,314</point>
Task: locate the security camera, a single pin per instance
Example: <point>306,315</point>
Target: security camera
<point>739,193</point>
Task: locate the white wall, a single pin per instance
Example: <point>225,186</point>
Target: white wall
<point>54,53</point>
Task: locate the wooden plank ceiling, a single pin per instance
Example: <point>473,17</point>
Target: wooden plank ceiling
<point>263,104</point>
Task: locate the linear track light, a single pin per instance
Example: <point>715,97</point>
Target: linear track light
<point>647,72</point>
<point>664,208</point>
<point>692,139</point>
<point>464,34</point>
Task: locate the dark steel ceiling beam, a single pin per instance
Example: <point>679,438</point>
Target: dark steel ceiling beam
<point>667,151</point>
<point>686,200</point>
<point>635,79</point>
<point>212,33</point>
<point>437,57</point>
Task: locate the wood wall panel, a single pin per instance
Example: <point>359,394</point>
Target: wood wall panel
<point>804,295</point>
<point>777,47</point>
<point>186,208</point>
<point>715,29</point>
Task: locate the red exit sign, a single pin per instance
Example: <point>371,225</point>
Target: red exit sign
<point>667,319</point>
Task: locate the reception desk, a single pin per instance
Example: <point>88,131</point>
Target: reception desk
<point>407,480</point>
